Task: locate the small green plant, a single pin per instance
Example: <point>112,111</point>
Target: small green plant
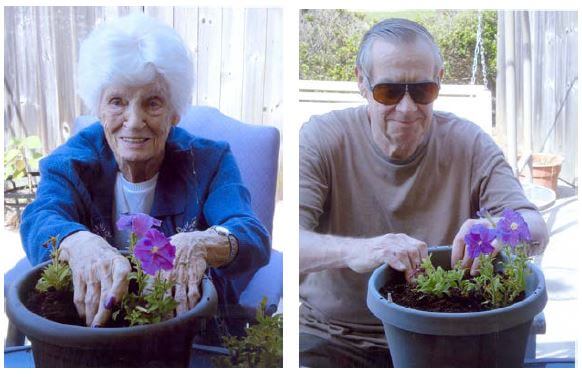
<point>56,275</point>
<point>262,347</point>
<point>22,156</point>
<point>498,288</point>
<point>149,252</point>
<point>437,281</point>
<point>501,289</point>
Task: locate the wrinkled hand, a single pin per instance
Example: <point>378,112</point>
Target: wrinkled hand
<point>460,250</point>
<point>100,275</point>
<point>189,267</point>
<point>401,252</point>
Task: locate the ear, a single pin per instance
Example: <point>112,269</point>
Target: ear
<point>362,83</point>
<point>175,119</point>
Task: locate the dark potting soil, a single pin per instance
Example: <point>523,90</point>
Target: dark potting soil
<point>405,295</point>
<point>58,306</point>
<point>54,305</point>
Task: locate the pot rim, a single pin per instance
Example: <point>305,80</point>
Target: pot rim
<point>554,160</point>
<point>36,326</point>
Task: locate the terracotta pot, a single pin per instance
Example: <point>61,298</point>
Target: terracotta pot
<point>546,169</point>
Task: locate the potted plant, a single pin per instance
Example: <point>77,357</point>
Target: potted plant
<point>262,347</point>
<point>151,338</point>
<point>511,292</point>
<point>546,169</point>
<point>21,160</point>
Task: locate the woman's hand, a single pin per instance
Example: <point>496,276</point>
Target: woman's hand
<point>100,275</point>
<point>194,252</point>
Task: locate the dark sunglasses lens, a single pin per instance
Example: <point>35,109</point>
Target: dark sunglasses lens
<point>388,94</point>
<point>423,93</point>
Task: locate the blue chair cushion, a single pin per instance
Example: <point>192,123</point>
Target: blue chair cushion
<point>267,282</point>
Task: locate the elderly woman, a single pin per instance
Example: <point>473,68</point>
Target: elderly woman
<point>137,76</point>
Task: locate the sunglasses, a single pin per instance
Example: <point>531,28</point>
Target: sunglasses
<point>391,93</point>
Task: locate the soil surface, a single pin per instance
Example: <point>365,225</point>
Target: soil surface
<point>405,295</point>
<point>58,306</point>
<point>54,305</point>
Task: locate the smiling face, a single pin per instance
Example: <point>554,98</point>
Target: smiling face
<point>399,129</point>
<point>137,121</point>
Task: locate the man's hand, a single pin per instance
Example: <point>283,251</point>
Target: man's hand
<point>100,275</point>
<point>194,252</point>
<point>401,252</point>
<point>460,251</point>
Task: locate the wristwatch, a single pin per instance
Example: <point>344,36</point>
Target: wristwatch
<point>232,241</point>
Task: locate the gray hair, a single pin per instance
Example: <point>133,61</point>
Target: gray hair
<point>134,50</point>
<point>395,30</point>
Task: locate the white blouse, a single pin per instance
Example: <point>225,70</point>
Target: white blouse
<point>131,198</point>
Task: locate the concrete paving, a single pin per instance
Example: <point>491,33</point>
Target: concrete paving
<point>561,266</point>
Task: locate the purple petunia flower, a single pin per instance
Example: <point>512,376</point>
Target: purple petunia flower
<point>512,228</point>
<point>155,252</point>
<point>139,223</point>
<point>479,240</point>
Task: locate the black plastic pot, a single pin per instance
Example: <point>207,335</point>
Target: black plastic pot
<point>495,338</point>
<point>165,344</point>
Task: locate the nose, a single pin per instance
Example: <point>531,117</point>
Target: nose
<point>134,117</point>
<point>406,104</point>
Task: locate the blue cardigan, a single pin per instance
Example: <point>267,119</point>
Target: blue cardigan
<point>199,185</point>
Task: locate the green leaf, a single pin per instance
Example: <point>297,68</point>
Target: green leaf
<point>262,346</point>
<point>10,155</point>
<point>32,142</point>
<point>19,165</point>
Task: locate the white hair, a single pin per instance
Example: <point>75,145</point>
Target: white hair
<point>134,50</point>
<point>395,30</point>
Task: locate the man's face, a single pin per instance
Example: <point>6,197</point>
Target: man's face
<point>137,120</point>
<point>399,129</point>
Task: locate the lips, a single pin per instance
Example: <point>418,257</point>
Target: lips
<point>134,140</point>
<point>405,121</point>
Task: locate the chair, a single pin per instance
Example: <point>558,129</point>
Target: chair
<point>259,174</point>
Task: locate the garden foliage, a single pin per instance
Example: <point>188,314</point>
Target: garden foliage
<point>329,41</point>
<point>262,347</point>
<point>22,156</point>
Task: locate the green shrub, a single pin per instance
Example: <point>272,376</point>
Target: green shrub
<point>328,44</point>
<point>329,41</point>
<point>456,34</point>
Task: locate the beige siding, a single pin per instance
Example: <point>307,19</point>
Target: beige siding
<point>554,83</point>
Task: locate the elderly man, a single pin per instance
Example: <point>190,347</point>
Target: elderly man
<point>380,182</point>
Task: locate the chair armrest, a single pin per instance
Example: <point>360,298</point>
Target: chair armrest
<point>267,282</point>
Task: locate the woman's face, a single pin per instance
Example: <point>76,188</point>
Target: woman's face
<point>137,120</point>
